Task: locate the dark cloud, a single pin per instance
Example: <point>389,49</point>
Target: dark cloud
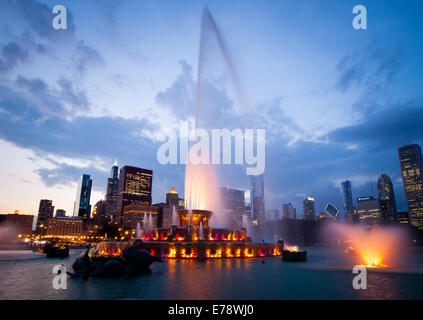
<point>397,124</point>
<point>64,101</point>
<point>372,68</point>
<point>36,19</point>
<point>11,55</point>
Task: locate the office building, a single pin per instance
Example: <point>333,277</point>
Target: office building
<point>369,212</point>
<point>15,226</point>
<point>348,199</point>
<point>82,207</point>
<point>233,206</point>
<point>386,195</point>
<point>309,210</point>
<point>112,193</point>
<point>45,211</point>
<point>134,188</point>
<point>288,211</point>
<point>411,163</point>
<point>60,213</point>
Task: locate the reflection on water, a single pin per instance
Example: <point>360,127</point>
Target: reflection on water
<point>327,275</point>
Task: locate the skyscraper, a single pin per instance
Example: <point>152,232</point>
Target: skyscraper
<point>369,210</point>
<point>60,213</point>
<point>411,162</point>
<point>134,188</point>
<point>82,207</point>
<point>112,192</point>
<point>348,200</point>
<point>385,191</point>
<point>309,211</point>
<point>288,211</point>
<point>233,206</point>
<point>45,211</point>
<point>257,199</point>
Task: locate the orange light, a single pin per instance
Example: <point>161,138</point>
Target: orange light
<point>292,248</point>
<point>217,254</point>
<point>172,253</point>
<point>187,256</point>
<point>248,254</point>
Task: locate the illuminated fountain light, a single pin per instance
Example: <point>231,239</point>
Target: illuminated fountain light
<point>377,247</point>
<point>292,248</point>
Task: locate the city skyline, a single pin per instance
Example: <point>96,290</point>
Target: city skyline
<point>109,193</point>
<point>106,108</point>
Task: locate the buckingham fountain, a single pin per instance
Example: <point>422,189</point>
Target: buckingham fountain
<point>198,231</point>
<point>193,238</point>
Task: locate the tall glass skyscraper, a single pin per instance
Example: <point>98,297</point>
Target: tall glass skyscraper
<point>411,162</point>
<point>385,191</point>
<point>82,207</point>
<point>348,199</point>
<point>258,211</point>
<point>112,192</point>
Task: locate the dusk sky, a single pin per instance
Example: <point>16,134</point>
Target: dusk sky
<point>335,102</point>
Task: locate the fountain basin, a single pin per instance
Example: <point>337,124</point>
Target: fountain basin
<point>198,216</point>
<point>195,250</point>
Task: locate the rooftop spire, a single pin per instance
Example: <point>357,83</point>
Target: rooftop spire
<point>115,164</point>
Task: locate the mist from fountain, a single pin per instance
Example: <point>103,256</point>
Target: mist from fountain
<point>244,222</point>
<point>376,247</point>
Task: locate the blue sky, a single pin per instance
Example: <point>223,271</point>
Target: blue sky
<point>335,102</point>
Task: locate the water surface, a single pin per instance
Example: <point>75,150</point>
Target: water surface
<point>326,275</point>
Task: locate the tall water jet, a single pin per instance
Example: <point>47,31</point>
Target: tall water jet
<point>174,218</point>
<point>150,221</point>
<point>201,182</point>
<point>146,221</point>
<point>138,231</point>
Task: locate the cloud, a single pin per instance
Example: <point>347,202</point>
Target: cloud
<point>38,16</point>
<point>11,55</point>
<point>394,125</point>
<point>86,57</point>
<point>64,101</point>
<point>109,10</point>
<point>35,18</point>
<point>372,68</point>
<point>83,138</point>
<point>69,94</point>
<point>179,98</point>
